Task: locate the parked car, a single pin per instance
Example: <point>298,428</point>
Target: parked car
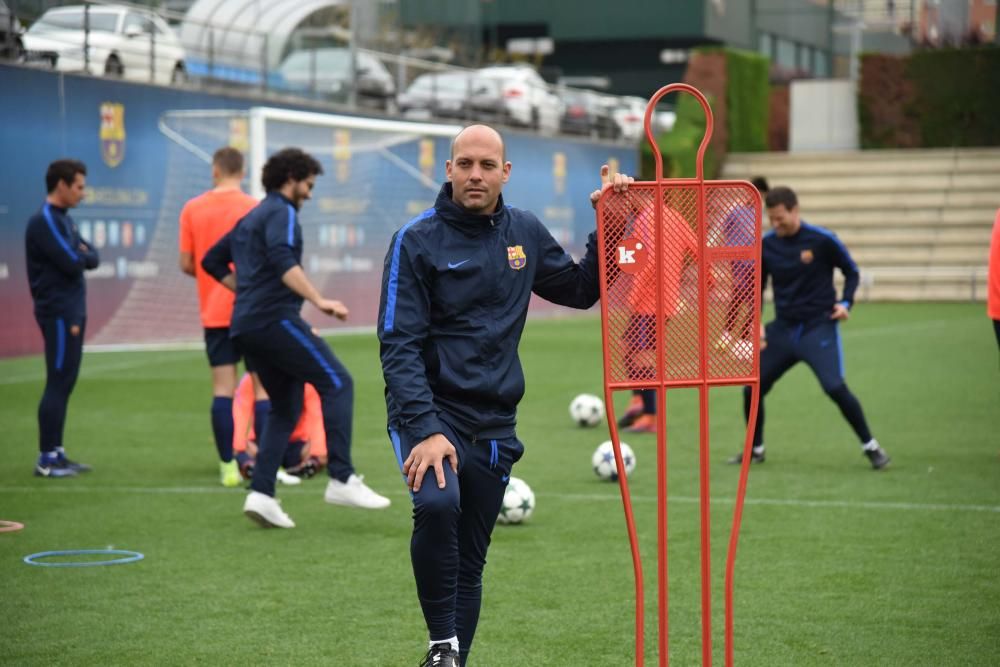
<point>443,95</point>
<point>520,94</point>
<point>113,40</point>
<point>588,113</point>
<point>630,115</point>
<point>11,44</point>
<point>326,72</point>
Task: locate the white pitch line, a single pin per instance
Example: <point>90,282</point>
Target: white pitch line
<point>571,497</point>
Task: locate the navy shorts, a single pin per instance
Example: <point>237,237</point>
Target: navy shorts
<point>220,348</point>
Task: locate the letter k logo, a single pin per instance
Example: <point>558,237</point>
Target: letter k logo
<point>632,255</point>
<point>626,256</point>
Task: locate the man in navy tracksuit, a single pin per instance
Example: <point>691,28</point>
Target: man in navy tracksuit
<point>455,291</point>
<point>57,257</point>
<point>265,247</point>
<point>801,258</point>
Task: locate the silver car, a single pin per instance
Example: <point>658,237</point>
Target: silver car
<point>112,40</point>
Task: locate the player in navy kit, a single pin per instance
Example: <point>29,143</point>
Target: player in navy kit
<point>455,289</point>
<point>800,259</point>
<point>265,247</point>
<point>57,257</point>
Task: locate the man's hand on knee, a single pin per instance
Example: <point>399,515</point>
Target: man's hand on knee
<point>429,453</point>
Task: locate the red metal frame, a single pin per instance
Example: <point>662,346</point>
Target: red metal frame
<point>702,203</point>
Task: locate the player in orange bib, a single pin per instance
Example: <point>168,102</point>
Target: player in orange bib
<point>204,220</point>
<point>306,451</point>
<point>993,290</point>
<point>680,248</point>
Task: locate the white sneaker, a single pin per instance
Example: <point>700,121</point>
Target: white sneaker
<point>285,478</point>
<point>743,350</point>
<point>354,493</point>
<point>266,511</point>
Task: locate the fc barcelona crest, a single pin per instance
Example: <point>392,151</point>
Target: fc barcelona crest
<point>516,257</point>
<point>806,256</point>
<point>112,133</point>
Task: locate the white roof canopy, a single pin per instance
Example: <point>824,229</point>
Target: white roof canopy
<point>247,33</point>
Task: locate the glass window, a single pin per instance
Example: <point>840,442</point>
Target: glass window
<point>139,21</point>
<point>766,45</point>
<point>821,66</point>
<point>73,20</point>
<point>785,55</point>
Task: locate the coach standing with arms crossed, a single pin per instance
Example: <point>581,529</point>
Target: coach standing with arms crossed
<point>57,257</point>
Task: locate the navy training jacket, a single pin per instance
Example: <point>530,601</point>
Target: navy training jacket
<point>455,292</point>
<point>57,257</point>
<point>263,245</point>
<point>801,267</point>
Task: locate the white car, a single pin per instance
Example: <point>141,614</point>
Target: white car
<point>630,115</point>
<point>521,94</point>
<point>120,41</point>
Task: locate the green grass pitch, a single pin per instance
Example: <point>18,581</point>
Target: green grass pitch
<point>837,565</point>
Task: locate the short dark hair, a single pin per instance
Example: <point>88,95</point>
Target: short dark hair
<point>229,161</point>
<point>760,183</point>
<point>781,196</point>
<point>288,163</point>
<point>63,170</point>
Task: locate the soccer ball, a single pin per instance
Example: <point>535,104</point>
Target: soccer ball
<point>518,502</point>
<point>587,410</point>
<point>603,461</point>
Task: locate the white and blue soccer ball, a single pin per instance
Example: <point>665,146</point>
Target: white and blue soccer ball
<point>604,462</point>
<point>518,502</point>
<point>587,410</point>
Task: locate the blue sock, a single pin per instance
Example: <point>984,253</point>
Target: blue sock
<point>260,410</point>
<point>222,426</point>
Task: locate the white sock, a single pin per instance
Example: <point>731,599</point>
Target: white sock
<point>453,641</point>
<point>870,445</point>
<point>758,450</point>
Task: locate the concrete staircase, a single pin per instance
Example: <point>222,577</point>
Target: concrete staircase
<point>917,222</point>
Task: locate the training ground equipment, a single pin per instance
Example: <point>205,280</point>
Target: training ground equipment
<point>676,255</point>
<point>586,410</point>
<point>604,463</point>
<point>518,502</point>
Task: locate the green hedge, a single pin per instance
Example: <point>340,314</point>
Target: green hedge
<point>931,99</point>
<point>747,100</point>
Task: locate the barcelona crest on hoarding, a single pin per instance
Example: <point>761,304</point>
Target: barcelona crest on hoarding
<point>112,133</point>
<point>516,257</point>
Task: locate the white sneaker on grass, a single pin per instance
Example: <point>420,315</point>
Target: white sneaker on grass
<point>266,511</point>
<point>742,349</point>
<point>284,478</point>
<point>354,493</point>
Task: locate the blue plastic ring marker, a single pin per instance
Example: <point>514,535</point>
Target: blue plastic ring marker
<point>126,557</point>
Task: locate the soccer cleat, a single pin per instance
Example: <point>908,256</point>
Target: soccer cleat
<point>65,462</point>
<point>229,473</point>
<point>354,493</point>
<point>879,459</point>
<point>266,511</point>
<point>307,468</point>
<point>49,465</point>
<point>644,424</point>
<point>755,457</point>
<point>632,412</point>
<point>440,655</point>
